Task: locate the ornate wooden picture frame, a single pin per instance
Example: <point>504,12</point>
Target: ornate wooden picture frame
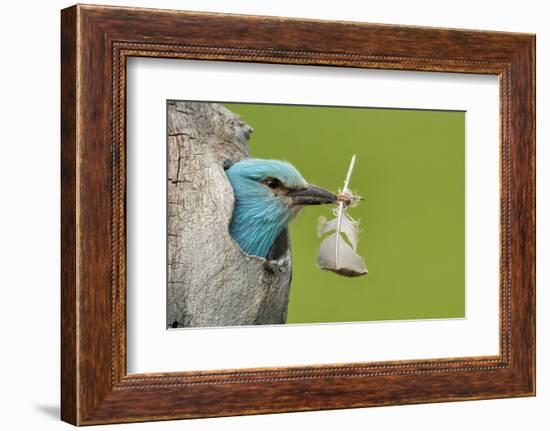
<point>96,41</point>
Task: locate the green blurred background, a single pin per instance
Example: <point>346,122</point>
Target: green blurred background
<point>411,170</point>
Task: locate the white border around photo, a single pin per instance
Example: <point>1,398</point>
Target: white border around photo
<point>153,348</point>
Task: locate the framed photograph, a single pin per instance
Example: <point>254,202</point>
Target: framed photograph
<point>263,214</point>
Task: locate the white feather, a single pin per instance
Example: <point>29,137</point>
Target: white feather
<point>335,254</point>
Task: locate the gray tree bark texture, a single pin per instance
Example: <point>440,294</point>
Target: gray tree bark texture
<point>211,281</point>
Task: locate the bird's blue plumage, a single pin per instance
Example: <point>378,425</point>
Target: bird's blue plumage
<point>260,212</point>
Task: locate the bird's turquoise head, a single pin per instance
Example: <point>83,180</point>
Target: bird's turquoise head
<point>268,195</point>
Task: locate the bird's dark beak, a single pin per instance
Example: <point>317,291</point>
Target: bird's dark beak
<point>312,195</point>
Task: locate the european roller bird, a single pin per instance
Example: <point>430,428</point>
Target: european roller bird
<point>268,195</point>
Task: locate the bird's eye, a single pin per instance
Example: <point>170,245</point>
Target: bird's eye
<point>272,183</point>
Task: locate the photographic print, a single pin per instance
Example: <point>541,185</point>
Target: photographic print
<point>328,222</point>
<point>291,214</point>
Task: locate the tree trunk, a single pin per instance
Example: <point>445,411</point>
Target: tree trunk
<point>211,281</point>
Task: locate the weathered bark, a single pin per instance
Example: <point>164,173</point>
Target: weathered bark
<point>211,281</point>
